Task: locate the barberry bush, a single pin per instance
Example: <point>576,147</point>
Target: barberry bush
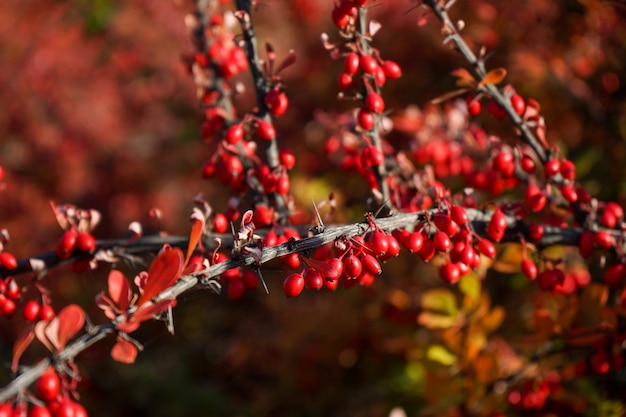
<point>353,207</point>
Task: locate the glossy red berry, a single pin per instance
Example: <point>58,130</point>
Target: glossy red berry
<point>7,306</point>
<point>6,410</point>
<point>528,164</point>
<point>603,239</point>
<point>518,104</point>
<point>293,285</point>
<point>552,167</point>
<point>474,106</point>
<point>31,310</point>
<point>365,119</point>
<point>486,248</point>
<point>236,288</point>
<point>496,110</point>
<point>287,158</point>
<point>567,169</point>
<point>39,411</point>
<point>497,225</point>
<point>393,248</point>
<point>351,64</point>
<point>352,266</point>
<point>86,242</point>
<point>368,64</point>
<point>234,134</point>
<point>614,274</point>
<point>220,223</point>
<point>459,215</point>
<point>569,194</point>
<point>504,163</point>
<point>340,18</point>
<point>529,268</point>
<point>442,242</point>
<point>8,260</point>
<point>46,312</point>
<point>374,103</point>
<point>535,231</point>
<point>550,278</point>
<point>265,130</point>
<point>67,243</point>
<point>378,243</point>
<point>48,385</point>
<point>427,252</point>
<point>414,242</point>
<point>277,102</point>
<point>345,81</point>
<point>450,272</point>
<point>312,279</point>
<point>371,264</point>
<point>392,69</point>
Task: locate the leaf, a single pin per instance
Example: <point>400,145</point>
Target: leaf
<point>464,78</point>
<point>470,286</point>
<point>147,312</point>
<point>22,342</point>
<point>124,351</point>
<point>449,96</point>
<point>164,271</point>
<point>70,320</point>
<point>287,62</point>
<point>438,353</point>
<point>495,76</point>
<point>440,300</point>
<point>119,289</point>
<point>322,267</point>
<point>40,332</point>
<point>197,228</point>
<point>492,320</point>
<point>436,321</point>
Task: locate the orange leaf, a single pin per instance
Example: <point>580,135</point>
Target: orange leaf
<point>124,351</point>
<point>194,237</point>
<point>164,271</point>
<point>119,289</point>
<point>22,342</point>
<point>71,319</point>
<point>495,76</point>
<point>464,78</point>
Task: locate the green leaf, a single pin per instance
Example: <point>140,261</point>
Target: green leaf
<point>440,300</point>
<point>436,321</point>
<point>438,353</point>
<point>470,286</point>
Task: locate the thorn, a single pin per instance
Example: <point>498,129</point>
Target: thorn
<point>258,271</point>
<point>319,228</point>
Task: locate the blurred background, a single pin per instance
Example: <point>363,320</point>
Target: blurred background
<point>97,109</point>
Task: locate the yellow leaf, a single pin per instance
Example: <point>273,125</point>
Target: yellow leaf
<point>495,76</point>
<point>440,300</point>
<point>470,286</point>
<point>438,353</point>
<point>436,321</point>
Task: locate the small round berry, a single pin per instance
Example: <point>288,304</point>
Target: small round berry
<point>48,385</point>
<point>8,260</point>
<point>266,130</point>
<point>368,64</point>
<point>351,64</point>
<point>31,310</point>
<point>374,103</point>
<point>293,285</point>
<point>392,69</point>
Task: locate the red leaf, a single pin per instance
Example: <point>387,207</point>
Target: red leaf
<point>119,289</point>
<point>22,342</point>
<point>163,272</point>
<point>194,237</point>
<point>124,351</point>
<point>147,312</point>
<point>40,332</point>
<point>71,319</point>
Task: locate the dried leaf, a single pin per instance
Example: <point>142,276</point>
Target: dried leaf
<point>119,289</point>
<point>70,320</point>
<point>124,351</point>
<point>449,96</point>
<point>22,342</point>
<point>495,76</point>
<point>164,271</point>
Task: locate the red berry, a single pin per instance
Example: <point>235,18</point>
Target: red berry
<point>39,411</point>
<point>486,248</point>
<point>518,104</point>
<point>345,81</point>
<point>378,242</point>
<point>48,385</point>
<point>86,242</point>
<point>340,18</point>
<point>250,279</point>
<point>614,208</point>
<point>7,306</point>
<point>67,243</point>
<point>535,231</point>
<point>8,260</point>
<point>352,266</point>
<point>351,64</point>
<point>368,64</point>
<point>31,310</point>
<point>497,225</point>
<point>393,248</point>
<point>414,242</point>
<point>473,106</point>
<point>234,134</point>
<point>569,194</point>
<point>287,158</point>
<point>459,215</point>
<point>551,168</point>
<point>442,242</point>
<point>614,273</point>
<point>450,272</point>
<point>371,264</point>
<point>585,244</point>
<point>312,279</point>
<point>529,268</point>
<point>66,408</point>
<point>380,78</point>
<point>277,102</point>
<point>365,119</point>
<point>496,110</point>
<point>12,289</point>
<point>427,252</point>
<point>374,103</point>
<point>607,219</point>
<point>504,163</point>
<point>266,130</point>
<point>392,69</point>
<point>46,312</point>
<point>236,288</point>
<point>568,169</point>
<point>6,410</point>
<point>293,285</point>
<point>550,278</point>
<point>603,239</point>
<point>527,164</point>
<point>220,223</point>
<point>283,184</point>
<point>335,270</point>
